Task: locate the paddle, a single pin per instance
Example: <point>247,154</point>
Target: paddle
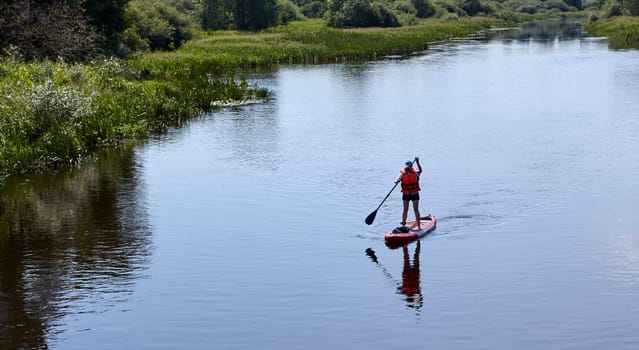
<point>371,217</point>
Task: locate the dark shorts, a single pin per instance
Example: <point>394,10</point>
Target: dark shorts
<point>410,197</point>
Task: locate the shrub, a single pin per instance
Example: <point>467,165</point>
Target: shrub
<point>475,7</point>
<point>530,9</point>
<point>577,4</point>
<point>52,106</point>
<point>593,5</point>
<point>254,14</point>
<point>612,8</point>
<point>556,5</point>
<point>287,12</point>
<point>314,9</point>
<point>447,6</point>
<point>406,19</point>
<point>632,6</point>
<point>363,13</point>
<point>425,8</point>
<point>405,6</point>
<point>156,26</point>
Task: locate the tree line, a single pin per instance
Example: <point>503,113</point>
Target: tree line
<point>79,29</point>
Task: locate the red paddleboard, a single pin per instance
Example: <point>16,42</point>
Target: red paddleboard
<point>428,224</point>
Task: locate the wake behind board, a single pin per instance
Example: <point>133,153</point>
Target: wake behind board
<point>428,224</point>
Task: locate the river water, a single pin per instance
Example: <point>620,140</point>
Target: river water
<point>245,228</point>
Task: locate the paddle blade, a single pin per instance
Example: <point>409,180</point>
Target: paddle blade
<point>370,218</point>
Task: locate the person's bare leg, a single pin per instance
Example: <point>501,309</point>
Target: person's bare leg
<point>405,212</point>
<point>417,217</point>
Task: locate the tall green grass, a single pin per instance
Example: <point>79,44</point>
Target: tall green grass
<point>53,114</point>
<point>622,31</point>
<point>311,41</point>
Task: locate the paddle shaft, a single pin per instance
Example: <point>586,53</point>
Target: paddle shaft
<point>385,198</point>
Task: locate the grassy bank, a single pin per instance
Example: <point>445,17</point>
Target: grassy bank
<point>622,32</point>
<point>312,41</point>
<point>54,114</point>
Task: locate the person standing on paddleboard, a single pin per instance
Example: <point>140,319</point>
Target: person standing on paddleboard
<point>410,191</point>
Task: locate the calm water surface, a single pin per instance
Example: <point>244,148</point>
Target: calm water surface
<point>245,228</point>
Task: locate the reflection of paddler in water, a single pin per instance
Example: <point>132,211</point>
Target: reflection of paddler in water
<point>410,278</point>
<point>410,285</point>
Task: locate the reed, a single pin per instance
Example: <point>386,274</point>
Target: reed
<point>622,31</point>
<point>311,41</point>
<point>53,114</point>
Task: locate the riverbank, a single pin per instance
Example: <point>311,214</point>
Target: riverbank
<point>55,114</point>
<point>622,32</point>
<point>311,41</point>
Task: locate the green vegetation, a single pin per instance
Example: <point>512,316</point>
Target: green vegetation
<point>239,14</point>
<point>622,32</point>
<point>312,41</point>
<point>53,114</point>
<point>80,30</point>
<point>61,97</point>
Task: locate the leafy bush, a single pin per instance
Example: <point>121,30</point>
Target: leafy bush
<point>314,9</point>
<point>593,5</point>
<point>287,12</point>
<point>156,26</point>
<point>363,13</point>
<point>425,8</point>
<point>577,4</point>
<point>475,7</point>
<point>530,9</point>
<point>405,6</point>
<point>557,5</point>
<point>632,6</point>
<point>612,8</point>
<point>239,14</point>
<point>52,106</point>
<point>447,7</point>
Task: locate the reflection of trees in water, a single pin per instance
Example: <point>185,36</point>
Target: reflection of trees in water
<point>67,239</point>
<point>544,30</point>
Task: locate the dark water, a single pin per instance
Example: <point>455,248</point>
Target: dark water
<point>245,228</point>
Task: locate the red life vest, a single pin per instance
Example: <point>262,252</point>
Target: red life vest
<point>410,181</point>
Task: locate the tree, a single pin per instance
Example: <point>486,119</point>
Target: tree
<point>47,29</point>
<point>361,13</point>
<point>314,9</point>
<point>216,14</point>
<point>425,8</point>
<point>254,14</point>
<point>472,7</point>
<point>632,6</point>
<point>287,12</point>
<point>108,16</point>
<point>239,14</point>
<point>156,25</point>
<point>575,3</point>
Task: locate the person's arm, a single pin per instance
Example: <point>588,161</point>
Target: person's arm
<point>399,178</point>
<point>419,166</point>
